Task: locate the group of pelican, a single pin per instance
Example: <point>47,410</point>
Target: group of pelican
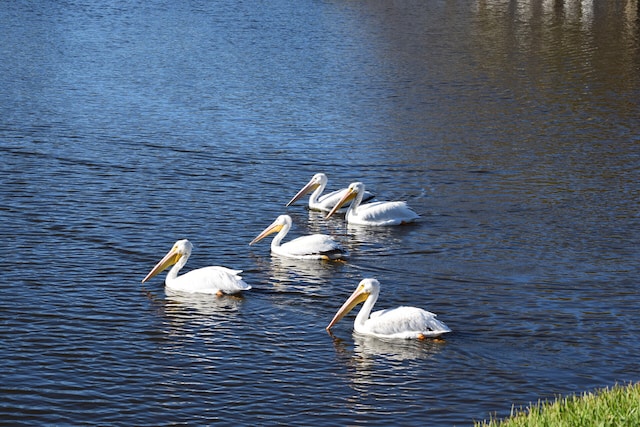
<point>400,322</point>
<point>370,214</point>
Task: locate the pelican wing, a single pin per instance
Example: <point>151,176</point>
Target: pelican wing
<point>404,322</point>
<point>210,280</point>
<point>383,213</point>
<point>313,246</point>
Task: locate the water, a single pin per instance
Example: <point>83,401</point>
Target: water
<point>511,127</point>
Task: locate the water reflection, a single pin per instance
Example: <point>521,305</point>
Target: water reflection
<point>366,349</point>
<point>580,12</point>
<point>183,307</point>
<point>380,372</point>
<point>317,223</point>
<point>369,347</point>
<point>189,315</point>
<point>379,235</point>
<point>313,274</point>
<point>377,241</point>
<point>572,11</point>
<point>568,38</point>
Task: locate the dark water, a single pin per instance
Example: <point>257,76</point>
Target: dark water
<point>511,127</point>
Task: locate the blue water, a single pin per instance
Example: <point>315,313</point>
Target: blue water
<point>511,128</point>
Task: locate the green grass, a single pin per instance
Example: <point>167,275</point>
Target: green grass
<point>617,406</point>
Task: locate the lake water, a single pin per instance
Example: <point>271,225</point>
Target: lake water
<point>512,128</point>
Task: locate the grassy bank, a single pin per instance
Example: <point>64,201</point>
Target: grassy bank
<point>616,406</point>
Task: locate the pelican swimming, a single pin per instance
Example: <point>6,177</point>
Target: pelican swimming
<point>314,246</point>
<point>401,322</point>
<point>206,280</point>
<point>375,213</point>
<point>318,202</point>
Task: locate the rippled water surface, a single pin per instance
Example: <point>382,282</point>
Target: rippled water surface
<point>510,127</point>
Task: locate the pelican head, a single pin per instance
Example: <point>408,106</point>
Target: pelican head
<point>275,227</point>
<point>365,288</point>
<point>354,189</point>
<point>317,180</point>
<point>180,250</point>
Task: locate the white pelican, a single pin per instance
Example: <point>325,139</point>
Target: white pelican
<point>401,322</point>
<point>206,280</point>
<point>314,246</point>
<point>324,203</point>
<point>374,213</point>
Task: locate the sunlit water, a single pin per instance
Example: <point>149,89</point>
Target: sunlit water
<point>511,127</point>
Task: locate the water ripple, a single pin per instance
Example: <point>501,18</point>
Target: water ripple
<point>125,127</point>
